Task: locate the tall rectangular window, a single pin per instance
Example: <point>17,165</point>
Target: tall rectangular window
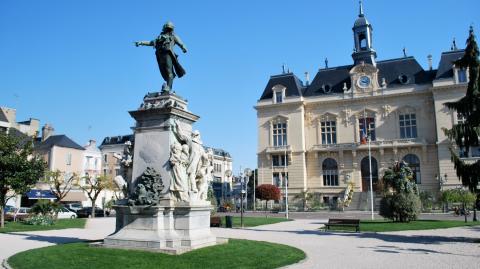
<point>408,126</point>
<point>278,97</point>
<point>329,132</point>
<point>367,128</point>
<point>279,160</point>
<point>279,134</point>
<point>279,179</point>
<point>68,159</point>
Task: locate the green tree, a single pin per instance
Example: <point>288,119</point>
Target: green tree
<point>19,169</point>
<point>60,183</point>
<point>304,197</point>
<point>466,134</point>
<point>94,186</point>
<point>401,202</point>
<point>465,197</point>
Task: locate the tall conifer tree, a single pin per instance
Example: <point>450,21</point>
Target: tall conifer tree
<point>466,133</point>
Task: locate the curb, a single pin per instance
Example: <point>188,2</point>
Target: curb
<point>6,265</point>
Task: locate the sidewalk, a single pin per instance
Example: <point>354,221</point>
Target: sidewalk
<point>12,243</point>
<point>444,248</point>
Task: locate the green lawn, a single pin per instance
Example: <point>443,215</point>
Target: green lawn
<point>59,224</point>
<point>236,254</point>
<point>389,226</point>
<point>254,221</point>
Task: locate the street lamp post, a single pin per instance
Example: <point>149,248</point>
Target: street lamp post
<point>248,174</point>
<point>441,181</point>
<point>228,174</point>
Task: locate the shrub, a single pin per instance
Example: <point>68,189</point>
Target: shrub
<point>45,208</point>
<point>43,220</point>
<point>401,207</point>
<point>426,198</point>
<point>401,201</point>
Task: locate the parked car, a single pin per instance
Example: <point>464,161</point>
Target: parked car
<point>87,211</point>
<point>74,206</point>
<point>8,208</point>
<point>64,213</point>
<point>18,214</point>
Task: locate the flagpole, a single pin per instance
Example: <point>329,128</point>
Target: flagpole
<point>286,183</point>
<point>369,137</point>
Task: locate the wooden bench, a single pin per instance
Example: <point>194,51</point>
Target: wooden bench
<point>215,222</point>
<point>343,223</point>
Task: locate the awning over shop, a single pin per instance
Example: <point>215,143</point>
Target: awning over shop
<point>40,194</point>
<point>75,196</point>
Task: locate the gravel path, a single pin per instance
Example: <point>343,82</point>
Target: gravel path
<point>444,248</point>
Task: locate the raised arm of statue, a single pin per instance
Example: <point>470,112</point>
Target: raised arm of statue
<point>144,43</point>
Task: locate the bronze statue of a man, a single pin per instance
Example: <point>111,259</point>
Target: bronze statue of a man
<point>166,57</point>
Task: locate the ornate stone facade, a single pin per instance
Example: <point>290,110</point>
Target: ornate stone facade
<point>321,128</point>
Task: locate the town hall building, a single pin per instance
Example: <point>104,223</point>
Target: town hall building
<point>315,134</point>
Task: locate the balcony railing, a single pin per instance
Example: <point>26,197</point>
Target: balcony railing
<point>374,144</point>
<point>279,149</point>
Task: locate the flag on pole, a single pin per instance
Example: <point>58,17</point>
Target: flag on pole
<point>363,137</point>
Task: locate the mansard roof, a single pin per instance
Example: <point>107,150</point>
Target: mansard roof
<point>333,77</point>
<point>289,80</point>
<point>119,139</point>
<point>446,63</point>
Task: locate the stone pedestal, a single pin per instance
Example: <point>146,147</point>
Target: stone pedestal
<point>159,221</point>
<point>172,230</point>
<point>153,135</point>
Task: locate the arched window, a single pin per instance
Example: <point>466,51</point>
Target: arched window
<point>414,164</point>
<point>365,170</point>
<point>330,172</point>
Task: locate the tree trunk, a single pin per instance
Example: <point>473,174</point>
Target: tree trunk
<point>266,201</point>
<point>2,222</point>
<point>465,211</point>
<point>93,208</point>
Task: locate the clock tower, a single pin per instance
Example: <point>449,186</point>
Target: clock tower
<point>362,34</point>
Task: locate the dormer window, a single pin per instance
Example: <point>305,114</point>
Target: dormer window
<point>462,75</point>
<point>403,79</point>
<point>278,94</point>
<point>327,88</point>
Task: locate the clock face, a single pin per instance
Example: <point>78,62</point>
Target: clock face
<point>364,82</point>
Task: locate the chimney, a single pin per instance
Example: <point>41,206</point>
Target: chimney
<point>47,131</point>
<point>92,143</point>
<point>307,78</point>
<point>429,57</point>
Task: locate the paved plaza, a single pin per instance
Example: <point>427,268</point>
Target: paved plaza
<point>444,248</point>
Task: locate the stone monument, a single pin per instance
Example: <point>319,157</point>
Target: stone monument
<point>166,207</point>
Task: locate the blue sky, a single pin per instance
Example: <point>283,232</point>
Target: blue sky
<point>73,63</point>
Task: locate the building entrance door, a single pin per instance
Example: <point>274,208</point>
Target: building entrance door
<point>366,174</point>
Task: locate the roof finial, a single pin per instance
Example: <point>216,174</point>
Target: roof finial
<point>283,68</point>
<point>361,9</point>
<point>326,62</point>
<point>454,45</point>
<point>404,52</point>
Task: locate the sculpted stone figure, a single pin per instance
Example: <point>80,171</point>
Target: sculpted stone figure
<point>204,175</point>
<point>196,152</point>
<point>179,161</point>
<point>166,57</point>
